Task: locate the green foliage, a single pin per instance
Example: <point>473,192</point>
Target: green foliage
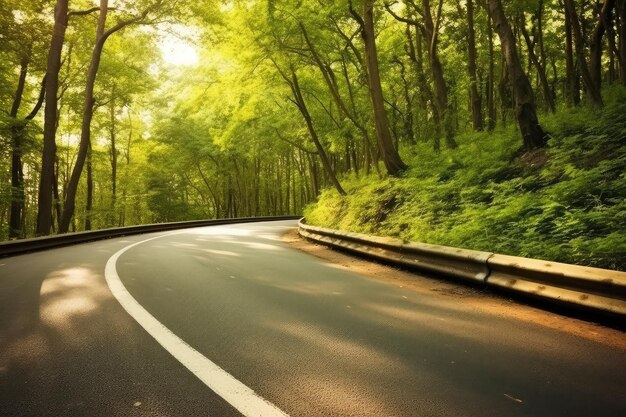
<point>226,136</point>
<point>565,203</point>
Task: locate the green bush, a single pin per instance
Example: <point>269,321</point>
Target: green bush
<point>563,203</point>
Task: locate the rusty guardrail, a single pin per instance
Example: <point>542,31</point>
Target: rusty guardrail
<point>590,288</point>
<point>16,247</point>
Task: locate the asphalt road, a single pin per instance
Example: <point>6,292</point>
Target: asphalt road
<point>309,337</point>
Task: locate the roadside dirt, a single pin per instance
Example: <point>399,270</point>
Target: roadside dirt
<point>477,298</point>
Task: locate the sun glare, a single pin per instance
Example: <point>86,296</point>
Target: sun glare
<point>176,51</point>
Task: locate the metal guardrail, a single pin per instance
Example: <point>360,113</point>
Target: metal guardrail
<point>17,247</point>
<point>590,288</point>
<point>461,263</point>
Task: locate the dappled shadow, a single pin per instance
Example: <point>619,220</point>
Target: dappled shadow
<point>319,335</point>
<point>65,350</point>
<point>350,340</point>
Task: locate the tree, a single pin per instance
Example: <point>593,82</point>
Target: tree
<point>537,62</point>
<point>44,213</point>
<point>16,216</point>
<point>23,33</point>
<point>621,13</point>
<point>532,133</point>
<point>89,102</point>
<point>429,27</point>
<point>591,80</point>
<point>475,98</point>
<point>288,99</point>
<point>603,24</point>
<point>302,107</point>
<point>389,153</point>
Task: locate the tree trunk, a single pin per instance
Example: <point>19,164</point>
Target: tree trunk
<point>595,53</point>
<point>475,98</point>
<point>113,157</point>
<point>425,92</point>
<point>612,75</point>
<point>55,194</point>
<point>17,175</point>
<point>44,210</point>
<point>573,84</point>
<point>532,133</point>
<point>591,87</point>
<point>89,204</point>
<point>539,66</point>
<point>389,153</point>
<point>309,123</point>
<point>621,12</point>
<point>431,35</point>
<point>491,81</point>
<point>88,109</point>
<point>409,133</point>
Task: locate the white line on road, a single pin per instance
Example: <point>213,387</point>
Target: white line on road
<point>244,399</point>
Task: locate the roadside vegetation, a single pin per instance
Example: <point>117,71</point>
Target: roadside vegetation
<point>563,203</point>
<point>486,124</point>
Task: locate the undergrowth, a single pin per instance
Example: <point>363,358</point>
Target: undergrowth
<point>564,203</point>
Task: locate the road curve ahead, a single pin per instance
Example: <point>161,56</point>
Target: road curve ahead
<point>292,332</point>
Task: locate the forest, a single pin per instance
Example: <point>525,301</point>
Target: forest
<point>496,125</point>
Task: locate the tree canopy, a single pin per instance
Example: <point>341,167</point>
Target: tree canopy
<point>126,112</point>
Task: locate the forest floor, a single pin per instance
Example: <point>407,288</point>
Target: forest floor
<point>480,299</point>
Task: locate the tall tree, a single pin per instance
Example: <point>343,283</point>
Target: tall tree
<point>89,104</point>
<point>475,98</point>
<point>571,71</point>
<point>17,175</point>
<point>491,102</point>
<point>621,13</point>
<point>300,103</point>
<point>538,63</point>
<point>16,215</point>
<point>330,80</point>
<point>525,111</point>
<point>592,87</point>
<point>44,210</point>
<point>389,153</point>
<point>604,23</point>
<point>429,27</point>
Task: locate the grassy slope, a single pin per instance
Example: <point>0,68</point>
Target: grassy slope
<point>566,203</point>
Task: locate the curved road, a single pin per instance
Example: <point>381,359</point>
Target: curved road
<point>308,337</point>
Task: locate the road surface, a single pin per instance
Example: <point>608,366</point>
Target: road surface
<point>301,335</point>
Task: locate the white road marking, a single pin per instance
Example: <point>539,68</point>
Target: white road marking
<point>510,397</point>
<point>244,399</point>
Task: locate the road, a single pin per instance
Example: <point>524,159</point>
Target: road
<point>308,337</point>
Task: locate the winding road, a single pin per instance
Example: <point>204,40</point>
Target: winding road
<point>231,320</point>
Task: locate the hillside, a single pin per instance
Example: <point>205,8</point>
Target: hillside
<point>565,203</point>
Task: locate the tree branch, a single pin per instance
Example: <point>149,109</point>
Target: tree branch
<point>121,25</point>
<point>355,15</point>
<point>436,28</point>
<point>400,18</point>
<point>86,12</point>
<point>42,93</point>
<point>302,148</point>
<point>349,41</point>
